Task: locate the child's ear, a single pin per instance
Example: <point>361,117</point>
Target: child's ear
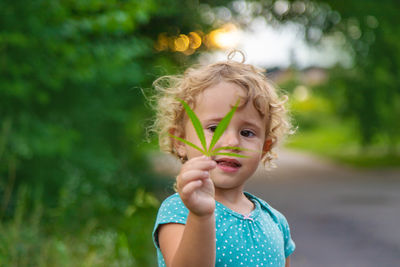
<point>267,146</point>
<point>180,149</point>
<point>178,146</point>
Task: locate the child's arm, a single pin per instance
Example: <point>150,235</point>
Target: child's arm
<point>287,263</point>
<point>192,244</point>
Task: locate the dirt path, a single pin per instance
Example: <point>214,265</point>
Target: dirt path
<point>338,216</point>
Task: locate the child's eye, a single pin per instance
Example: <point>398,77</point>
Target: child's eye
<point>212,128</point>
<point>247,133</point>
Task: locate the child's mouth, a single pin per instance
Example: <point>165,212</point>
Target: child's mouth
<point>228,164</point>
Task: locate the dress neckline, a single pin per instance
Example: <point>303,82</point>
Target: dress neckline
<point>251,216</point>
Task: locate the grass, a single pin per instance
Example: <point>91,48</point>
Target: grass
<point>323,133</point>
<point>337,140</point>
<point>30,239</point>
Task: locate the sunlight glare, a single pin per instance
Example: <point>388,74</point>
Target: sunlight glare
<point>226,37</point>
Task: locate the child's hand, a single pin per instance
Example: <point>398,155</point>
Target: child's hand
<point>195,186</point>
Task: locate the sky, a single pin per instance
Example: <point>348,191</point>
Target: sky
<point>267,47</point>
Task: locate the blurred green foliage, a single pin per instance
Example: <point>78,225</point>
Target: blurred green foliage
<point>72,128</point>
<point>363,128</point>
<point>369,89</point>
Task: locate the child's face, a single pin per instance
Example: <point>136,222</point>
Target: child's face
<point>246,130</point>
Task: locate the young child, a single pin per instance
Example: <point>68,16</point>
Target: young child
<point>211,221</point>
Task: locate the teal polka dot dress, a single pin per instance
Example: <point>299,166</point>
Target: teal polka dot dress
<point>261,238</point>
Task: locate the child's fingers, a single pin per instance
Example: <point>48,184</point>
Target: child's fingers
<point>194,169</point>
<point>200,164</point>
<point>194,174</point>
<point>190,176</point>
<point>189,188</point>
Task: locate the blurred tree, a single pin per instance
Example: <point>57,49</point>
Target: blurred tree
<point>71,108</point>
<point>72,114</point>
<point>68,76</point>
<point>369,89</point>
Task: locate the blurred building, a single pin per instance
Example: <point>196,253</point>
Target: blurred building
<point>310,76</point>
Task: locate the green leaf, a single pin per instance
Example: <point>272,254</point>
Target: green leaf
<point>189,143</point>
<point>222,125</point>
<point>196,124</point>
<point>230,154</point>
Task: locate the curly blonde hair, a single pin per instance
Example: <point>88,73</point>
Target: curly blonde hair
<point>170,114</point>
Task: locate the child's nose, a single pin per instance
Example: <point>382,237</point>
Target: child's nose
<point>230,138</point>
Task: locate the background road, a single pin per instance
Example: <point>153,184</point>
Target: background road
<point>338,216</point>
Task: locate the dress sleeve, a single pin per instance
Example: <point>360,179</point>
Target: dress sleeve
<point>279,218</point>
<point>172,210</point>
<point>289,243</point>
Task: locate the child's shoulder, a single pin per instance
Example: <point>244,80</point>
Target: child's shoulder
<point>174,200</point>
<point>173,203</point>
<point>276,215</point>
<point>172,210</point>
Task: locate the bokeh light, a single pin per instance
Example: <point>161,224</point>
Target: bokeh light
<point>195,40</point>
<point>225,37</point>
<point>181,43</point>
